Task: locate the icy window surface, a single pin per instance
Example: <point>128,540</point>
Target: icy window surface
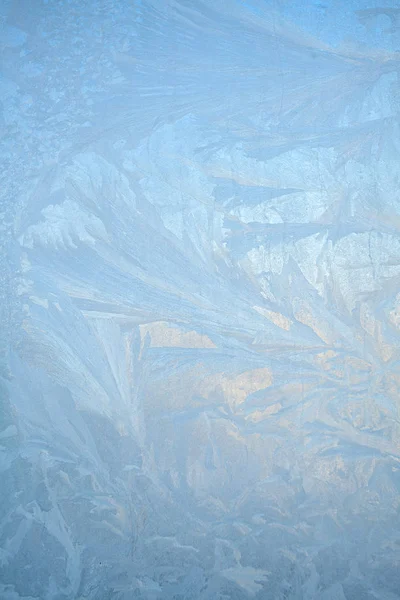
<point>200,300</point>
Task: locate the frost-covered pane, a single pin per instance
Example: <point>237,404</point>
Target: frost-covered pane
<point>200,300</point>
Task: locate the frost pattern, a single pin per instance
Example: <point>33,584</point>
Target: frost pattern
<point>200,306</point>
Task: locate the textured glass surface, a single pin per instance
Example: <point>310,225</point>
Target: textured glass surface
<point>200,300</point>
